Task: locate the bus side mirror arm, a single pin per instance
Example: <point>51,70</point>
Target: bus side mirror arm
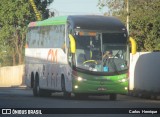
<point>133,45</point>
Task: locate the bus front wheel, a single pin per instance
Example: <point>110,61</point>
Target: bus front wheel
<point>63,86</point>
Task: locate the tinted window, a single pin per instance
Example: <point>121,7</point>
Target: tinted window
<point>46,37</point>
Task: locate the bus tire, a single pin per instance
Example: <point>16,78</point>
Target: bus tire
<point>32,80</point>
<point>36,89</point>
<point>63,86</point>
<point>113,97</point>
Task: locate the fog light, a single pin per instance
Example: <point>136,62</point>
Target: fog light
<point>76,86</point>
<point>126,88</point>
<point>123,80</point>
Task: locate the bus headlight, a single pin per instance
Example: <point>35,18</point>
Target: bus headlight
<point>81,79</point>
<point>76,86</point>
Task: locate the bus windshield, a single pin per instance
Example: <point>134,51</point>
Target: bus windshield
<point>101,52</point>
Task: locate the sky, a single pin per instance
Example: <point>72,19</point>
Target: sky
<point>75,7</point>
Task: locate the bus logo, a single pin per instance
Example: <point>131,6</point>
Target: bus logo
<point>52,55</point>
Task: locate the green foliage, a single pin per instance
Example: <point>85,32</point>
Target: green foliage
<point>145,23</point>
<point>42,7</point>
<point>14,18</point>
<point>144,20</point>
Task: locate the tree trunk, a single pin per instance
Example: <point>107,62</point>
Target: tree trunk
<point>13,59</point>
<point>20,56</point>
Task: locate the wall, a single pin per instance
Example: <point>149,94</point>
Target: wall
<point>145,71</point>
<point>11,76</point>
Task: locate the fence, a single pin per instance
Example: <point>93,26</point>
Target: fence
<point>11,76</point>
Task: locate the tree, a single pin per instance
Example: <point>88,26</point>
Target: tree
<point>144,20</point>
<point>15,15</point>
<point>145,23</point>
<point>41,6</point>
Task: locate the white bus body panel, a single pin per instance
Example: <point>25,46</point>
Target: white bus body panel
<point>50,64</point>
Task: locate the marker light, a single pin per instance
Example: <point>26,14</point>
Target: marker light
<point>126,88</point>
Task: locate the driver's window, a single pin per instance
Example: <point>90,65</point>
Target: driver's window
<point>80,56</point>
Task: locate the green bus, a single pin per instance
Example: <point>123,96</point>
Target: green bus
<point>79,54</point>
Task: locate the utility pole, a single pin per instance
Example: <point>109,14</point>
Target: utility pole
<point>127,21</point>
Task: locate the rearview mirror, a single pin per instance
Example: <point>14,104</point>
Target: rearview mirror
<point>72,44</point>
<point>133,45</point>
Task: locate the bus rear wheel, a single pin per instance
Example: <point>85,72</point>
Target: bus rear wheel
<point>65,93</point>
<point>113,97</point>
<point>37,91</point>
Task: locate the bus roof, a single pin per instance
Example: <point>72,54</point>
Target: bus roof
<point>97,22</point>
<point>88,22</point>
<point>50,21</point>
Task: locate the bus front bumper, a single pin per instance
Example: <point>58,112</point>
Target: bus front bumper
<point>97,87</point>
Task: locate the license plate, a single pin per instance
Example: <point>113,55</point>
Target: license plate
<point>101,89</point>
